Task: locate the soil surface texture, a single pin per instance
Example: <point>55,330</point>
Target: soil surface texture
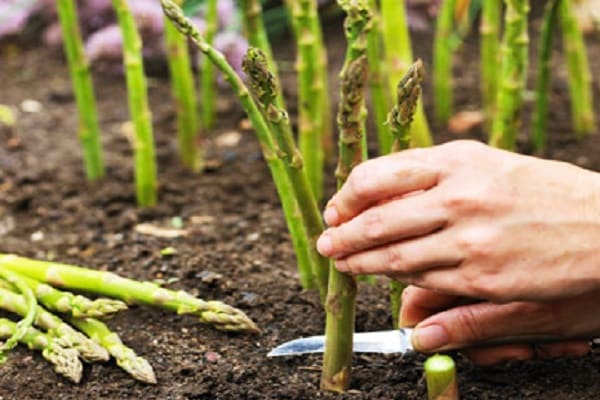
<point>237,250</point>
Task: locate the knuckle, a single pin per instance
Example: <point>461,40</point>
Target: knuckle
<point>478,243</point>
<point>464,202</point>
<point>395,259</point>
<point>374,227</point>
<point>468,320</point>
<point>360,182</point>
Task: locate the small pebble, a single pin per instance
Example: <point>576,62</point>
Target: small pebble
<point>212,357</point>
<point>37,236</point>
<point>31,106</point>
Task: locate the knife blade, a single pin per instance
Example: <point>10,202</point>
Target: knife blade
<point>384,342</point>
<point>396,341</point>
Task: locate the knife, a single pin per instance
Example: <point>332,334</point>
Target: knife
<point>389,342</point>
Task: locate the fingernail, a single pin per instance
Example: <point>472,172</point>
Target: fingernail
<point>430,338</point>
<point>324,245</point>
<point>331,216</point>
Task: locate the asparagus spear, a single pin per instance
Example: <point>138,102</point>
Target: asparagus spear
<point>263,133</point>
<point>513,75</point>
<point>540,116</point>
<point>215,313</point>
<point>399,119</point>
<point>64,334</point>
<point>126,358</point>
<point>440,373</point>
<point>580,79</point>
<point>182,82</point>
<point>442,61</point>
<point>145,163</point>
<point>89,129</point>
<point>68,303</point>
<point>399,56</point>
<point>341,293</point>
<point>29,310</point>
<point>265,88</point>
<point>378,81</point>
<point>65,360</point>
<point>208,76</point>
<point>491,14</point>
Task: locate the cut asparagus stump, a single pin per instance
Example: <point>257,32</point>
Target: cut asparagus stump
<point>65,360</point>
<point>77,306</point>
<point>103,283</point>
<point>440,373</point>
<point>126,358</point>
<point>64,334</point>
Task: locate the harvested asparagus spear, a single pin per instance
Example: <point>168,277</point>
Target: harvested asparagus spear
<point>71,277</point>
<point>399,119</point>
<point>89,127</point>
<point>126,358</point>
<point>16,282</point>
<point>77,306</point>
<point>341,293</point>
<point>440,373</point>
<point>65,360</point>
<point>265,88</point>
<point>64,334</point>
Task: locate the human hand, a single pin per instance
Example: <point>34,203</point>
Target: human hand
<point>450,322</point>
<point>470,220</point>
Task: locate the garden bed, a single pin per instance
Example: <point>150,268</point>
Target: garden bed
<point>237,248</point>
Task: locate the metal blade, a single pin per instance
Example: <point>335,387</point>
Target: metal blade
<point>385,342</point>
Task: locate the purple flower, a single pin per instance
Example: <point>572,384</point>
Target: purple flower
<point>226,12</point>
<point>14,15</point>
<point>105,44</point>
<point>233,46</point>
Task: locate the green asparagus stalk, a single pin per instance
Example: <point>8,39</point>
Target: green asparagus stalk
<point>310,97</point>
<point>513,75</point>
<point>184,92</point>
<point>580,79</point>
<point>282,182</point>
<point>126,358</point>
<point>399,57</point>
<point>540,116</point>
<point>76,306</point>
<point>89,127</point>
<point>378,81</point>
<point>103,283</point>
<point>440,373</point>
<point>208,76</point>
<point>29,310</point>
<point>65,335</point>
<point>400,118</point>
<point>491,15</point>
<point>145,163</point>
<point>442,61</point>
<point>264,86</point>
<point>65,360</point>
<point>341,293</point>
<point>257,37</point>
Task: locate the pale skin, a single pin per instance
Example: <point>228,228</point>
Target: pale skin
<point>493,243</point>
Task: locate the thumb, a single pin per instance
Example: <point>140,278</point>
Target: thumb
<point>469,325</point>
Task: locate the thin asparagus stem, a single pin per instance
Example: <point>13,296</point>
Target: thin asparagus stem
<point>264,86</point>
<point>378,81</point>
<point>440,373</point>
<point>89,127</point>
<point>208,75</point>
<point>184,92</point>
<point>257,37</point>
<point>71,277</point>
<point>540,116</point>
<point>580,78</point>
<point>65,335</point>
<point>491,15</point>
<point>442,61</point>
<point>310,97</point>
<point>145,163</point>
<point>400,118</point>
<point>399,56</point>
<point>341,293</point>
<point>74,305</point>
<point>65,360</point>
<point>513,75</point>
<point>136,366</point>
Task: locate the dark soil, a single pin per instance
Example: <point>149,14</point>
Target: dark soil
<point>238,252</point>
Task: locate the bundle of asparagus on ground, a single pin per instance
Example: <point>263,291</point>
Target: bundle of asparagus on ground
<point>29,288</point>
